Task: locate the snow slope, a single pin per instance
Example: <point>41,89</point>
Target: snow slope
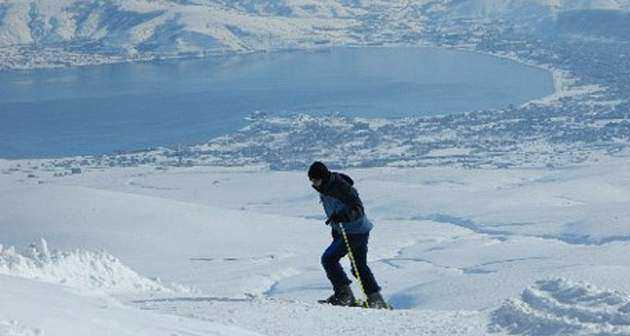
<point>36,308</point>
<point>453,248</point>
<point>282,317</point>
<point>158,237</point>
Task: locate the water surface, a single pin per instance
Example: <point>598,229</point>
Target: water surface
<point>98,110</point>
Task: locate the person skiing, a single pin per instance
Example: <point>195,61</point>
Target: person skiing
<point>345,211</point>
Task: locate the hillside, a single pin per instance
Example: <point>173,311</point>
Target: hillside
<point>44,33</point>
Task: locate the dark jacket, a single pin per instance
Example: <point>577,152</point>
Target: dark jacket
<point>339,197</point>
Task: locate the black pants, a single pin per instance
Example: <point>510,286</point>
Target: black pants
<point>337,250</point>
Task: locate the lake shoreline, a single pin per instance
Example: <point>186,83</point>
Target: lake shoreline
<point>399,92</point>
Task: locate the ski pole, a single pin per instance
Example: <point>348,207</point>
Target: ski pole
<point>355,269</point>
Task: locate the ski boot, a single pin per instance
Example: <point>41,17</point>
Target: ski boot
<point>376,301</point>
<point>342,297</point>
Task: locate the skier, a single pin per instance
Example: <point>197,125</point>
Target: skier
<point>343,207</point>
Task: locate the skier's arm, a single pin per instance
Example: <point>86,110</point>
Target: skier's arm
<point>350,197</point>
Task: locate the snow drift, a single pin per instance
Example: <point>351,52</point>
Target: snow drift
<point>35,308</point>
<point>563,307</point>
<point>78,269</point>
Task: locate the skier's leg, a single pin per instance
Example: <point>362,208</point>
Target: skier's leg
<point>372,290</point>
<point>359,246</point>
<point>332,266</point>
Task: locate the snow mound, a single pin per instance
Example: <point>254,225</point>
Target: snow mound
<point>78,269</point>
<point>562,307</point>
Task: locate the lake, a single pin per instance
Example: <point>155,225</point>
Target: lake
<point>102,109</point>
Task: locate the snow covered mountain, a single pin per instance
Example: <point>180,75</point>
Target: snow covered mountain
<point>516,8</point>
<point>91,32</point>
<point>163,26</point>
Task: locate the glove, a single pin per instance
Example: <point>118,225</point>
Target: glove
<point>335,218</point>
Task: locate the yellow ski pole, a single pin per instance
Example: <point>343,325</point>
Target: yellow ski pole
<point>354,264</point>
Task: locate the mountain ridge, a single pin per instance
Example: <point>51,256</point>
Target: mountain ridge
<point>166,28</point>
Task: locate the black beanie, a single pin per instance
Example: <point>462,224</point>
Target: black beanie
<point>318,171</point>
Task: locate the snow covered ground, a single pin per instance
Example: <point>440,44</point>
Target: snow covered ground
<point>198,250</point>
<point>35,308</point>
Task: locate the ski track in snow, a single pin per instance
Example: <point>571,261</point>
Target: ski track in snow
<point>501,234</point>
